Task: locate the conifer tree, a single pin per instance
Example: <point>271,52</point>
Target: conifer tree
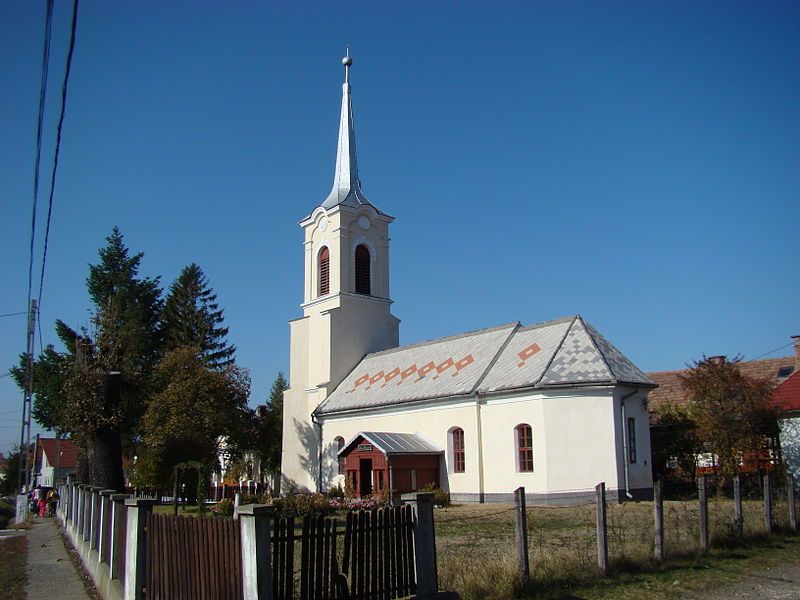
<point>272,440</point>
<point>192,317</point>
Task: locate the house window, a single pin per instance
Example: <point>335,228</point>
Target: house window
<point>632,439</point>
<point>339,441</point>
<point>524,435</point>
<point>324,271</point>
<point>457,437</point>
<point>362,270</point>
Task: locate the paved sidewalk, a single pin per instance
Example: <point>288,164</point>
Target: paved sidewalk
<point>50,571</point>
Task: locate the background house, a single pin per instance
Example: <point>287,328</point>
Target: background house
<point>783,372</point>
<point>54,459</point>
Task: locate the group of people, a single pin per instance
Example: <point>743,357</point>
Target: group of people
<point>43,501</point>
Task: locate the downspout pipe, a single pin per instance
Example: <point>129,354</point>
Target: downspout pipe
<point>318,427</point>
<point>625,442</point>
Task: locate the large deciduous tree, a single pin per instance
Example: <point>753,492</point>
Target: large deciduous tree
<point>731,411</point>
<point>194,408</point>
<point>192,317</point>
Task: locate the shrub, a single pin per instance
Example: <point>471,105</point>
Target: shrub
<point>223,508</point>
<point>336,492</point>
<point>441,498</point>
<point>301,505</point>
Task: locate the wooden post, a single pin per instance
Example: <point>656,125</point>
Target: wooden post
<point>658,519</point>
<point>521,531</point>
<point>790,499</point>
<point>767,504</point>
<point>425,546</point>
<point>602,531</point>
<point>738,514</point>
<point>136,546</point>
<point>705,543</point>
<point>255,530</point>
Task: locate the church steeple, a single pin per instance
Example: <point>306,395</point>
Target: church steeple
<point>346,184</point>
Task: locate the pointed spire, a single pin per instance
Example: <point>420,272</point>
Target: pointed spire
<point>346,185</point>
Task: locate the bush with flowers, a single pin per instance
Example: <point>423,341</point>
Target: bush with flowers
<point>223,508</point>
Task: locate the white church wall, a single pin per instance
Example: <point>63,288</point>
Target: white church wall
<point>640,472</point>
<point>577,442</point>
<point>432,421</point>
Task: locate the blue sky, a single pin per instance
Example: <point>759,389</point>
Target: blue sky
<point>637,163</point>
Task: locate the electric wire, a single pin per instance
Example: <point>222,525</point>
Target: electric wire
<point>40,125</point>
<point>771,351</point>
<point>24,312</point>
<point>64,86</point>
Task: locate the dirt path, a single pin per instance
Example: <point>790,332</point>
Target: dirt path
<point>776,583</point>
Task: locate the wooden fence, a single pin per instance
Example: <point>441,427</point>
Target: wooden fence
<point>375,559</point>
<point>192,559</point>
<point>131,552</point>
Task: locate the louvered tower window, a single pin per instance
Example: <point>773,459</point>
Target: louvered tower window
<point>324,271</point>
<point>362,271</point>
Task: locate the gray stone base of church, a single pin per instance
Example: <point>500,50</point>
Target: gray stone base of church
<point>556,498</point>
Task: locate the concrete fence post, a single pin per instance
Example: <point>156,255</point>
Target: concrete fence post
<point>94,517</point>
<point>521,534</point>
<point>117,516</point>
<point>705,543</point>
<point>425,546</point>
<point>602,531</point>
<point>767,503</point>
<point>738,514</point>
<point>136,546</point>
<point>105,525</point>
<point>790,500</point>
<point>84,502</point>
<point>255,529</point>
<point>658,519</point>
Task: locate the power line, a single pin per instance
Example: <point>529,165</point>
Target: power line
<point>67,70</point>
<point>24,312</point>
<point>771,351</point>
<point>40,125</point>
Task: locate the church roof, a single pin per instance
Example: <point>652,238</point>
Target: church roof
<point>564,353</point>
<point>346,189</point>
<point>393,443</point>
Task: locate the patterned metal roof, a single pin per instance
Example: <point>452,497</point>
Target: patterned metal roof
<point>441,368</point>
<point>561,353</point>
<point>394,443</point>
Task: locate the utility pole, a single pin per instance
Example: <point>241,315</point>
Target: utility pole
<point>25,467</point>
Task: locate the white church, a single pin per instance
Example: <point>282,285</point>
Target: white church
<point>553,407</point>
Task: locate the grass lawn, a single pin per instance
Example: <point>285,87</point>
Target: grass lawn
<point>13,557</point>
<point>476,551</point>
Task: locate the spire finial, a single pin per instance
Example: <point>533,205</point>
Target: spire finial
<point>347,61</point>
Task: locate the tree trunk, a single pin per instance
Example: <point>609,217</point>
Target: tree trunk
<point>104,451</point>
<point>82,465</point>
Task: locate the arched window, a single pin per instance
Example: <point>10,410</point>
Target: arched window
<point>457,443</point>
<point>362,270</point>
<point>524,435</point>
<point>324,271</point>
<point>339,442</point>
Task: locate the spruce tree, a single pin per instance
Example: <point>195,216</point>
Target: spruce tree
<point>192,317</point>
<point>273,439</point>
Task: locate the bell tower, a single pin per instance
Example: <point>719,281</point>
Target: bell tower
<point>346,304</point>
